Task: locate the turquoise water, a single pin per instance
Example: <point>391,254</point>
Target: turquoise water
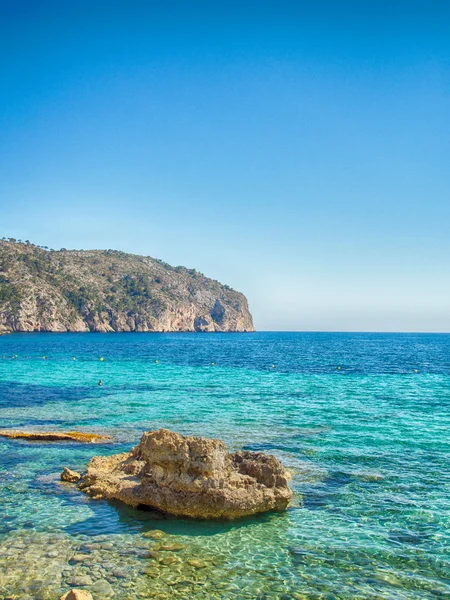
<point>368,446</point>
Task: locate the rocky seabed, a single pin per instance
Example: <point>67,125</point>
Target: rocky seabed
<point>43,566</point>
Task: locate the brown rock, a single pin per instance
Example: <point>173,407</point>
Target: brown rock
<point>190,476</point>
<point>70,476</point>
<point>77,595</point>
<point>55,436</point>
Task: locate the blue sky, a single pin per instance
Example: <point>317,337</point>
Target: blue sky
<point>298,152</point>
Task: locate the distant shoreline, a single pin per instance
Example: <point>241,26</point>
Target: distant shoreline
<point>4,333</point>
<point>270,331</point>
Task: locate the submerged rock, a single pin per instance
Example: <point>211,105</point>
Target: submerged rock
<point>169,560</point>
<point>55,436</point>
<point>172,547</point>
<point>80,580</point>
<point>197,563</point>
<point>102,588</point>
<point>70,476</point>
<point>190,476</point>
<point>154,534</point>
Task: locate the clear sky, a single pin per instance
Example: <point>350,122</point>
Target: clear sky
<point>299,152</point>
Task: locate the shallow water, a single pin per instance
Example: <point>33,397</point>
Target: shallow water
<point>368,445</point>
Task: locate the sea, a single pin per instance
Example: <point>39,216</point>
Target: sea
<point>361,420</point>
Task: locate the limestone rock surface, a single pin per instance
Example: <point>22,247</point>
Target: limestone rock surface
<point>70,476</point>
<point>56,436</point>
<point>190,476</point>
<point>76,595</point>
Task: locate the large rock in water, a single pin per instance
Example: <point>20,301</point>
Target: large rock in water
<point>190,476</point>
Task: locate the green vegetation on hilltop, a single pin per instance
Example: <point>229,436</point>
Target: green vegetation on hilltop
<point>110,290</point>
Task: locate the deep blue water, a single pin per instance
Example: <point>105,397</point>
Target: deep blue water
<point>362,421</point>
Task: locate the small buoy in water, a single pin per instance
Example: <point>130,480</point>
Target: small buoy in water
<point>156,361</point>
<point>212,364</point>
<point>100,382</point>
<point>339,368</point>
<point>273,366</point>
<point>101,359</point>
<point>73,358</point>
<point>416,371</point>
<point>44,358</point>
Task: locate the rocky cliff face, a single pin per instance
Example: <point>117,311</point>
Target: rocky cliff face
<point>108,290</point>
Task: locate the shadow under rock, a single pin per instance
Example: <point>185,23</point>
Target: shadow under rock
<point>111,516</point>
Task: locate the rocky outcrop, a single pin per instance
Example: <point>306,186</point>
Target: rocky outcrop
<point>70,476</point>
<point>56,436</point>
<point>108,290</point>
<point>190,476</point>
